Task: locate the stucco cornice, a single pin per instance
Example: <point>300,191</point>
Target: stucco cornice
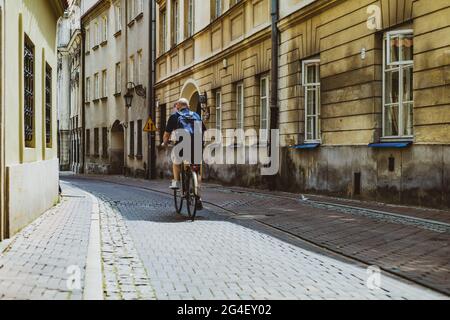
<point>59,6</point>
<point>306,12</point>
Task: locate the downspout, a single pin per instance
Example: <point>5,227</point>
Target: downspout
<point>83,97</point>
<point>274,109</point>
<point>151,91</point>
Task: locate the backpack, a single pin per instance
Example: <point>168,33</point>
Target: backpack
<point>187,120</point>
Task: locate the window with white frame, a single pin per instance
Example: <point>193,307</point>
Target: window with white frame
<point>218,96</point>
<point>163,31</point>
<point>118,86</point>
<point>118,17</point>
<point>240,108</point>
<point>190,24</point>
<point>398,103</point>
<point>104,28</point>
<point>88,39</point>
<point>175,22</point>
<point>96,87</point>
<point>311,86</point>
<point>264,104</point>
<point>139,79</point>
<point>131,66</point>
<point>87,97</point>
<point>131,6</point>
<point>97,34</point>
<point>104,84</point>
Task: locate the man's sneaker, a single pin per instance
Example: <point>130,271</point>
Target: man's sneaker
<point>199,204</point>
<point>175,185</point>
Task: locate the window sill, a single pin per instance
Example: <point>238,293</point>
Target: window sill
<point>87,102</point>
<point>118,33</point>
<point>104,43</point>
<point>117,94</point>
<point>306,146</point>
<point>104,98</point>
<point>139,157</point>
<point>96,100</point>
<point>87,53</point>
<point>139,16</point>
<point>130,156</point>
<point>95,47</point>
<point>131,23</point>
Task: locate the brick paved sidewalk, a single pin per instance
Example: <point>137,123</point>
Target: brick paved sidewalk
<point>40,261</point>
<point>410,251</point>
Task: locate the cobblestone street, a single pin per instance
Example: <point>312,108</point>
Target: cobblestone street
<point>148,252</point>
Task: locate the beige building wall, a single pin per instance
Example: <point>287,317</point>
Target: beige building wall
<point>126,45</point>
<point>235,48</point>
<point>30,173</point>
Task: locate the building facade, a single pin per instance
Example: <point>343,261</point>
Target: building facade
<point>28,136</point>
<point>116,63</point>
<point>362,90</point>
<point>70,116</point>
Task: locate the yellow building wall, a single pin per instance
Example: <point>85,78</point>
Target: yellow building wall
<point>31,173</point>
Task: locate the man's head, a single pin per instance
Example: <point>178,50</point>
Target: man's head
<point>182,104</point>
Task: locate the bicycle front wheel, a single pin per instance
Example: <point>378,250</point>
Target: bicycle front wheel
<point>192,197</point>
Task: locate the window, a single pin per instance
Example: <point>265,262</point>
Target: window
<point>104,84</point>
<point>131,139</point>
<point>87,98</point>
<point>162,121</point>
<point>96,87</point>
<point>398,103</point>
<point>189,18</point>
<point>264,103</point>
<point>139,5</point>
<point>105,142</point>
<point>175,26</point>
<point>105,29</point>
<point>118,15</point>
<point>88,39</point>
<point>97,34</point>
<point>48,105</point>
<point>240,106</point>
<point>88,142</point>
<point>216,9</point>
<point>96,142</point>
<point>139,68</point>
<point>131,10</point>
<point>131,67</point>
<point>139,138</point>
<point>219,111</point>
<point>163,31</point>
<point>28,80</point>
<point>311,86</point>
<point>118,86</point>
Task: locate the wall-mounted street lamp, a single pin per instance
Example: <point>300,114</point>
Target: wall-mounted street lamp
<point>139,90</point>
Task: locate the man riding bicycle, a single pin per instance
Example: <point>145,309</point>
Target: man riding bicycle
<point>181,119</point>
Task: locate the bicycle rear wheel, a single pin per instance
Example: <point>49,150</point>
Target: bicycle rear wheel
<point>192,198</point>
<point>178,198</point>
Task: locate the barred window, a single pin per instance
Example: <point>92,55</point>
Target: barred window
<point>28,92</point>
<point>48,106</point>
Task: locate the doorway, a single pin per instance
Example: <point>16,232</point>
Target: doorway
<point>117,148</point>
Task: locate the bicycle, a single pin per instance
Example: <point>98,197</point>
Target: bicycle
<point>189,191</point>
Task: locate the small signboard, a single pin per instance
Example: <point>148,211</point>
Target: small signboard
<point>150,126</point>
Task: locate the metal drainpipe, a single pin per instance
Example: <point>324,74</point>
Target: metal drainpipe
<point>151,90</point>
<point>83,96</point>
<point>274,110</point>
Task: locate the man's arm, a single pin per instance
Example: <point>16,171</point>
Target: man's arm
<point>166,138</point>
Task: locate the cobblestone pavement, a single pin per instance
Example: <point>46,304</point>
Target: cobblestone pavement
<point>218,257</point>
<point>411,251</point>
<point>40,260</point>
